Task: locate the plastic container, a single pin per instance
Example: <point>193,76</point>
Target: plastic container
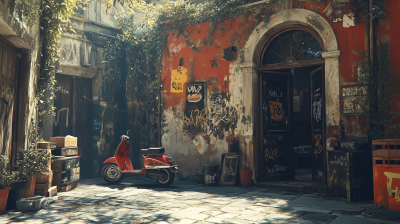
<point>211,176</point>
<point>199,176</point>
<point>246,177</point>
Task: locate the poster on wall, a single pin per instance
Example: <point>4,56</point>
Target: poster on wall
<point>178,79</point>
<point>195,114</point>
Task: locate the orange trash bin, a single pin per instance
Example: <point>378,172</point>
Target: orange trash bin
<point>386,173</point>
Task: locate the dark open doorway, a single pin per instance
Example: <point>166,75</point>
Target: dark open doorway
<point>302,126</point>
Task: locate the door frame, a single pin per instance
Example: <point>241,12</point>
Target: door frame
<point>322,132</point>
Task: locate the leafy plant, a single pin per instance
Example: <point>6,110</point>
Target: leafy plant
<point>6,178</point>
<point>382,92</point>
<point>360,8</point>
<point>31,162</point>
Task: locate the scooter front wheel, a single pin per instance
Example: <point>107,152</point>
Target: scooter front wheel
<point>169,177</point>
<point>111,173</point>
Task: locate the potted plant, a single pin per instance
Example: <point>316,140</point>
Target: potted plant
<point>30,162</point>
<point>6,178</point>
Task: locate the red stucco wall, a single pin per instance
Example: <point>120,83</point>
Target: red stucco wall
<point>206,62</point>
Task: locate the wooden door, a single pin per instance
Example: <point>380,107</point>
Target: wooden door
<point>74,116</point>
<point>318,124</point>
<point>276,125</point>
<point>63,103</point>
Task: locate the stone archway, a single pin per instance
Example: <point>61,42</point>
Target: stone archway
<point>252,53</point>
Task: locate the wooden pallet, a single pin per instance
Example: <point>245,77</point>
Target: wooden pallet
<point>44,178</point>
<point>46,189</point>
<point>67,187</point>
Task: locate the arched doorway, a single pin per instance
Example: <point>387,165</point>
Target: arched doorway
<point>252,66</point>
<point>291,106</point>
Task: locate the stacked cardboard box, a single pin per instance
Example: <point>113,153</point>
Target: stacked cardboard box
<point>44,181</point>
<point>65,163</point>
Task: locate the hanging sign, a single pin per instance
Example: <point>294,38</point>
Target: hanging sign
<point>178,79</point>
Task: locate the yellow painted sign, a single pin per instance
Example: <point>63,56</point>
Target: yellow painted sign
<point>178,79</point>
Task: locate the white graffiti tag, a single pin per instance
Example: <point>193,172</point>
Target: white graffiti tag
<point>340,161</point>
<point>317,110</point>
<point>393,193</point>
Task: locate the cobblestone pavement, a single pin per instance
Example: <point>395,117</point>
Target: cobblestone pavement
<point>141,200</point>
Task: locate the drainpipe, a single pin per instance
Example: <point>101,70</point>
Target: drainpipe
<point>371,34</point>
<point>366,35</point>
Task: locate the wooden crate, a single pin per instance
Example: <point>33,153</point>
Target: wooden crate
<point>66,151</point>
<point>67,187</point>
<point>65,177</point>
<point>65,141</point>
<point>52,191</point>
<point>47,145</point>
<point>64,163</point>
<point>44,178</point>
<point>42,189</point>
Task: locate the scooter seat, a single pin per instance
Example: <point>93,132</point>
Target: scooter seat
<point>152,151</point>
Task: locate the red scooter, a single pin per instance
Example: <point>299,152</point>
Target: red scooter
<point>157,165</point>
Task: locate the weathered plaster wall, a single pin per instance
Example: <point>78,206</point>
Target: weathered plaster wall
<point>220,120</point>
<point>25,42</point>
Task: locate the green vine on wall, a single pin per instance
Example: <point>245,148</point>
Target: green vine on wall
<point>144,50</point>
<point>382,93</point>
<point>50,16</point>
<point>361,8</point>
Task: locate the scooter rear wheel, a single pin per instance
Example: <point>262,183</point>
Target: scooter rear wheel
<point>111,173</point>
<point>170,177</point>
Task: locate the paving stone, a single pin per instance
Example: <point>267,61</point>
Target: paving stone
<point>251,217</point>
<point>227,215</point>
<point>230,221</point>
<point>198,217</point>
<point>324,218</point>
<point>212,213</point>
<point>187,221</point>
<point>345,219</point>
<point>273,217</point>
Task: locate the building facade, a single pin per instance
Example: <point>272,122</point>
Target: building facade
<point>18,69</point>
<point>282,98</point>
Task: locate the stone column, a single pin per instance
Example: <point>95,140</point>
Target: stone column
<point>248,145</point>
<point>332,104</point>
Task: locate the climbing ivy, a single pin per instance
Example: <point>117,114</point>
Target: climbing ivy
<point>50,15</point>
<point>361,8</point>
<point>143,50</point>
<point>382,94</point>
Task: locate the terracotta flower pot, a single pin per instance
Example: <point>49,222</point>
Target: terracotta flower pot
<point>30,190</point>
<point>3,199</point>
<point>246,177</point>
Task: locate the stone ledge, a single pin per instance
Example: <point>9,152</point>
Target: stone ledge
<point>13,30</point>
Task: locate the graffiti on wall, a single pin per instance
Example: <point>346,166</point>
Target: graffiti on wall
<point>272,153</point>
<point>339,161</point>
<point>6,115</point>
<point>58,117</point>
<point>276,110</point>
<point>317,145</point>
<point>223,116</point>
<point>395,194</point>
<point>195,114</point>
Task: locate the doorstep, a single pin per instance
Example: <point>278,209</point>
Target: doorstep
<point>307,186</point>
